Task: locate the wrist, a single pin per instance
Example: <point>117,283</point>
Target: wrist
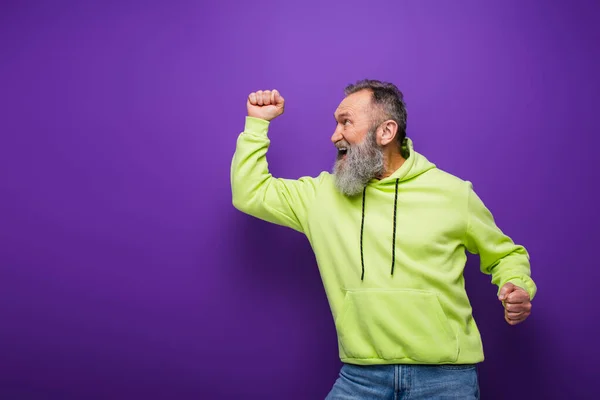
<point>261,118</point>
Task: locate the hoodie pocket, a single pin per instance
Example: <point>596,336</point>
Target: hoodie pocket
<point>394,325</point>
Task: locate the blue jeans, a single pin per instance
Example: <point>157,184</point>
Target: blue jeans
<point>415,382</point>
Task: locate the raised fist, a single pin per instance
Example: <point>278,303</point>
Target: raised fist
<point>265,104</point>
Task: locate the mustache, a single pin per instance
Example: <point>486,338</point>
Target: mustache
<point>342,144</point>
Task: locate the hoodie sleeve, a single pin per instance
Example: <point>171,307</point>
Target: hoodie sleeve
<point>499,257</point>
<point>257,193</point>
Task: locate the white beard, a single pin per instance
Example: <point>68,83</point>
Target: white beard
<point>363,162</point>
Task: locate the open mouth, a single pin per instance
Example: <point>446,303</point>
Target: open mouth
<point>342,151</point>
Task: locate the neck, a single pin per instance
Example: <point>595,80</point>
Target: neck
<point>392,161</point>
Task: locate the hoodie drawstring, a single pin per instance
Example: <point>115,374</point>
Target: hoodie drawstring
<point>362,226</point>
<point>394,234</point>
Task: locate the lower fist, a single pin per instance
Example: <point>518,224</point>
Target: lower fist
<point>517,304</point>
<point>267,104</point>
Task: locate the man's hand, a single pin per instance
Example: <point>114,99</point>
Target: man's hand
<point>265,104</point>
<point>517,304</point>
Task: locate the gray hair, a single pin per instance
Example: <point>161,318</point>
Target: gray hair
<point>390,101</point>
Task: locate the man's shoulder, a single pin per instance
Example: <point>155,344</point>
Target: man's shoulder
<point>446,185</point>
<point>317,180</point>
<point>445,178</point>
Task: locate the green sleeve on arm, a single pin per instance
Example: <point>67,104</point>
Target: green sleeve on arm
<point>256,192</point>
<point>499,256</point>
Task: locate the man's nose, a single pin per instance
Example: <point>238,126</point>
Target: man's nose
<point>337,136</point>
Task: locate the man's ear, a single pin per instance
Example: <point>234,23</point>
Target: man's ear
<point>388,132</point>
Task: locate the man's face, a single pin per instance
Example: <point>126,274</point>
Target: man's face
<point>353,118</point>
<point>359,157</point>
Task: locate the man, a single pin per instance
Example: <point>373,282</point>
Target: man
<point>389,231</point>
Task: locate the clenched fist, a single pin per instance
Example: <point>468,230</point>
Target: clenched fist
<point>517,304</point>
<point>267,104</point>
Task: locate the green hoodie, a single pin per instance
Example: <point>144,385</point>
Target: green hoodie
<point>391,260</point>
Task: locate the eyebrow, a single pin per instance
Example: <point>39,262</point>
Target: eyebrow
<point>343,114</point>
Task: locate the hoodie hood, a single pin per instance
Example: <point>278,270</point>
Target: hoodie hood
<point>415,165</point>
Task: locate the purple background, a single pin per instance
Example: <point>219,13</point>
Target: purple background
<point>126,273</point>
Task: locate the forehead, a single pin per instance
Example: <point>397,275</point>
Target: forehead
<point>359,102</point>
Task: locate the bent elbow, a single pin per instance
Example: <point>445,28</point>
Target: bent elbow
<point>241,202</point>
<point>237,204</point>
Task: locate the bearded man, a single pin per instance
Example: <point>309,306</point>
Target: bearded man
<point>390,232</point>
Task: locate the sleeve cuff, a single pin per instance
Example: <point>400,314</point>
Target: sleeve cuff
<point>256,126</point>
